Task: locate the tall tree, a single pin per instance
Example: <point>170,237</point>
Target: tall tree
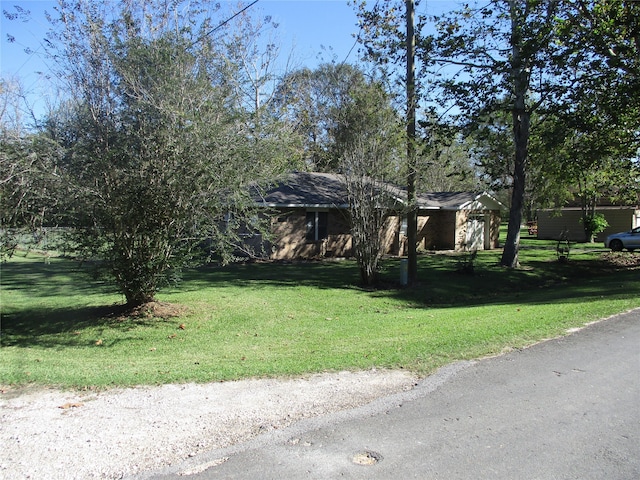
<point>599,120</point>
<point>412,170</point>
<point>586,147</point>
<point>311,98</point>
<point>389,35</point>
<point>160,153</point>
<point>502,49</point>
<point>546,57</point>
<point>517,57</point>
<point>369,136</point>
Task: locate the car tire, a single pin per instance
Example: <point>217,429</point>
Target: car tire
<point>616,245</point>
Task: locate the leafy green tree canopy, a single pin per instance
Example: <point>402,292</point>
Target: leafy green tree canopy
<point>489,59</point>
<point>313,100</point>
<point>159,146</point>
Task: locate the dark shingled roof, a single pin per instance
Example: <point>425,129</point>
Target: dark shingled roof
<point>307,189</point>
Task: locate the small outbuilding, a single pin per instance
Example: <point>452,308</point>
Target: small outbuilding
<point>311,219</point>
<point>458,221</point>
<point>553,222</point>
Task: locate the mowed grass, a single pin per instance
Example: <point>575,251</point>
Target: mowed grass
<point>61,328</point>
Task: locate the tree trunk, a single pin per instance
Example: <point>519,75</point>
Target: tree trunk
<point>412,214</point>
<point>521,136</point>
<point>521,120</point>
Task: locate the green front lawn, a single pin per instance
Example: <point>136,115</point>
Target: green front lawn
<point>61,328</point>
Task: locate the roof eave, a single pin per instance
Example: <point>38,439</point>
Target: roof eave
<point>304,205</point>
<point>478,198</point>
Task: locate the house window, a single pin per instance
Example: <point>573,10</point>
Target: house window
<point>317,226</point>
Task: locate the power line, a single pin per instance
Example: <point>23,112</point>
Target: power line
<point>357,37</point>
<point>222,24</point>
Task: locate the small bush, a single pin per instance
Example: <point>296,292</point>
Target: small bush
<point>466,262</point>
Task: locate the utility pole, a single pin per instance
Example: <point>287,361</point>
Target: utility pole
<point>412,214</point>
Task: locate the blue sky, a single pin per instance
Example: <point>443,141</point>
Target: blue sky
<point>315,30</point>
<point>309,24</point>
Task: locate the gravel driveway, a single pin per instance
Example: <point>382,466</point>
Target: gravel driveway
<point>55,434</point>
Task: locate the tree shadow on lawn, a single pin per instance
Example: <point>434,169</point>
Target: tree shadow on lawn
<point>65,327</point>
<point>314,273</point>
<point>441,282</point>
<point>59,277</point>
<point>537,283</point>
<point>442,286</point>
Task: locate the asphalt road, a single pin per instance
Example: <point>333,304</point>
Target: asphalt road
<point>568,408</point>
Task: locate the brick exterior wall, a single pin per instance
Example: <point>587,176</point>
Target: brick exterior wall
<point>437,230</point>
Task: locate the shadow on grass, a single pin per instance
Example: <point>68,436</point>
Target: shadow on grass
<point>57,277</point>
<point>317,274</point>
<point>64,327</point>
<point>542,281</point>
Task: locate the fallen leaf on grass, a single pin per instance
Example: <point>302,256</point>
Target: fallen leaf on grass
<point>182,326</point>
<point>99,342</point>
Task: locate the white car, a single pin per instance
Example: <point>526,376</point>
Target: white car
<point>629,240</point>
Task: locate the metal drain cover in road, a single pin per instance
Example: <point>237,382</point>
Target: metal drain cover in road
<point>366,457</point>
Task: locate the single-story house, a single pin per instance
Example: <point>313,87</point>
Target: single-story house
<point>311,219</point>
<point>552,223</point>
